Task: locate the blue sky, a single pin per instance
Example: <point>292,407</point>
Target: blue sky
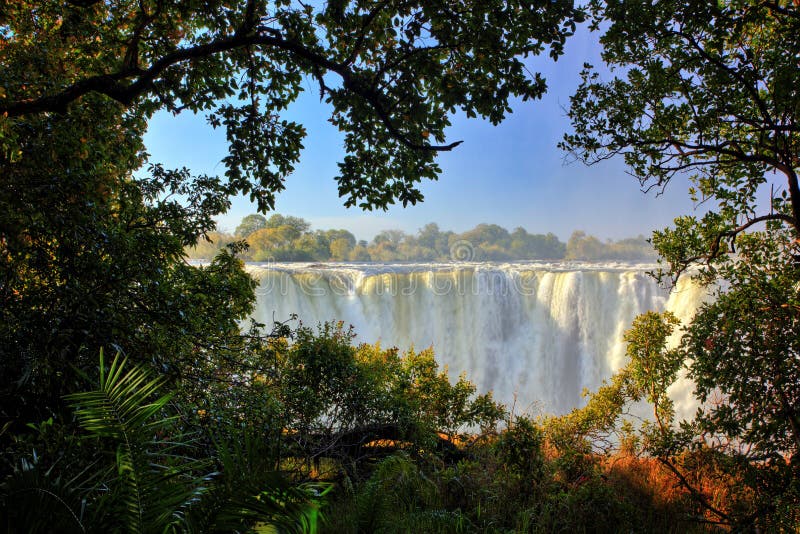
<point>512,174</point>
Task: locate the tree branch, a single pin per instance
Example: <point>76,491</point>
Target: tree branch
<point>83,3</point>
<point>351,443</point>
<point>731,72</point>
<point>732,233</point>
<point>363,33</point>
<point>694,491</point>
<point>112,85</point>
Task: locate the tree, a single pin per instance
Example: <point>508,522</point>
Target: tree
<point>587,247</point>
<point>147,487</point>
<point>634,248</point>
<point>338,398</point>
<point>391,238</point>
<point>249,224</point>
<point>210,245</point>
<point>92,236</point>
<point>486,234</point>
<point>92,254</point>
<point>333,235</point>
<point>298,224</point>
<point>583,247</point>
<point>360,253</point>
<point>272,243</point>
<point>391,71</point>
<point>431,237</point>
<point>527,246</point>
<point>710,90</point>
<point>311,247</point>
<point>340,249</point>
<point>706,91</point>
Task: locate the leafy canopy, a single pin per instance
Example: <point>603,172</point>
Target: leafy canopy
<point>710,90</point>
<point>705,90</point>
<point>392,72</point>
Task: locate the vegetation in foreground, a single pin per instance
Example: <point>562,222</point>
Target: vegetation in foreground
<point>319,434</point>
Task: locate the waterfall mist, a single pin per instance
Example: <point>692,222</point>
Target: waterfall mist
<point>536,334</point>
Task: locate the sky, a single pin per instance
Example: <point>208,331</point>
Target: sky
<point>512,174</point>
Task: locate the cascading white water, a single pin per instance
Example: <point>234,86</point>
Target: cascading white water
<point>535,334</point>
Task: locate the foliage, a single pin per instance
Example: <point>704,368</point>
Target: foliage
<point>363,394</point>
<point>293,241</point>
<point>369,419</point>
<point>708,91</point>
<point>392,73</point>
<point>399,497</point>
<point>37,499</point>
<point>98,262</point>
<point>743,433</point>
<point>91,256</point>
<point>92,234</point>
<point>295,223</point>
<point>744,348</point>
<point>412,451</point>
<point>249,224</point>
<point>144,477</point>
<point>605,421</point>
<point>585,247</point>
<point>120,413</point>
<point>704,90</point>
<point>210,244</point>
<point>493,492</point>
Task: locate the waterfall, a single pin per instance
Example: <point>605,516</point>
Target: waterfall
<point>536,334</point>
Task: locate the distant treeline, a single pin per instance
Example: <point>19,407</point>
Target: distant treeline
<point>286,238</point>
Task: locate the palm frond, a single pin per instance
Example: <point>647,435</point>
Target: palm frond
<point>247,490</point>
<point>157,487</point>
<point>33,500</point>
<point>148,487</point>
<point>119,409</point>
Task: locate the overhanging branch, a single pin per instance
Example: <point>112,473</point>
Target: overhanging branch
<point>141,81</point>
